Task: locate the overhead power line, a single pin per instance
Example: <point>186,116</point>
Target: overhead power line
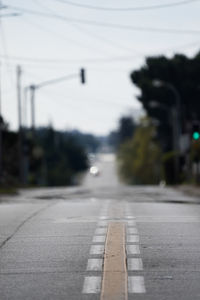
<point>54,62</point>
<point>5,50</point>
<point>61,61</point>
<point>109,25</point>
<point>62,37</point>
<point>88,33</point>
<point>127,9</point>
<point>10,15</point>
<point>3,6</point>
<point>91,34</point>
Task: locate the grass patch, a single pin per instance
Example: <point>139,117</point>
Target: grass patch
<point>8,191</point>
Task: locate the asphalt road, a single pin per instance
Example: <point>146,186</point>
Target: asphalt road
<point>56,243</point>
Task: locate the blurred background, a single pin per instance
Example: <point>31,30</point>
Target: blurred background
<point>79,78</point>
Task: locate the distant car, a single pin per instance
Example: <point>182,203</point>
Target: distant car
<point>94,170</point>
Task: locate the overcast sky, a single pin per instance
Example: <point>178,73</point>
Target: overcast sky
<point>54,38</point>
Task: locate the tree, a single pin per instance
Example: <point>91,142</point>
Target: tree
<point>124,132</point>
<point>57,158</point>
<point>140,157</point>
<point>113,139</point>
<point>126,128</point>
<point>181,72</point>
<point>10,159</point>
<point>88,141</point>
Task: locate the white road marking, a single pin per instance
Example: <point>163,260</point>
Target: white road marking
<point>132,239</point>
<point>95,264</point>
<point>136,284</point>
<point>132,249</point>
<point>135,264</point>
<point>132,230</point>
<point>103,218</point>
<point>102,223</point>
<point>131,223</point>
<point>97,250</point>
<point>99,239</point>
<point>101,231</point>
<point>92,285</point>
<point>130,217</point>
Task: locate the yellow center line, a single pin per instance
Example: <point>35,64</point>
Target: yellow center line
<point>114,282</point>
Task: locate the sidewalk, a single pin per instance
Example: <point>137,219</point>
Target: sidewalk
<point>190,190</point>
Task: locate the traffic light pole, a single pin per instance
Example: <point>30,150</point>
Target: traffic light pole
<point>33,89</point>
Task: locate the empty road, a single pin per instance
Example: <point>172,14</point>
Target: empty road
<point>102,240</point>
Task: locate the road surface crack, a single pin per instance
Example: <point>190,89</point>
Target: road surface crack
<point>24,222</point>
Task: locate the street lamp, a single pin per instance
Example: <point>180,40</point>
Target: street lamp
<point>175,120</point>
<point>155,104</point>
<point>171,87</point>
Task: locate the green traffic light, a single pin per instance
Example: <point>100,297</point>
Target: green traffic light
<point>196,135</point>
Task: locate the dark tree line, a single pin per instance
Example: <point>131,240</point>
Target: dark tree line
<point>123,133</point>
<point>57,158</point>
<point>49,157</point>
<point>163,83</point>
<point>183,74</point>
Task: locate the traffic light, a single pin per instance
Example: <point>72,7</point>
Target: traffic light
<point>82,75</point>
<point>196,131</point>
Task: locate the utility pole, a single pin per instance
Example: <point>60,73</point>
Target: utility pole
<point>19,72</point>
<point>20,141</point>
<point>1,144</point>
<point>32,92</point>
<point>1,119</point>
<point>24,105</point>
<point>25,137</point>
<point>0,92</point>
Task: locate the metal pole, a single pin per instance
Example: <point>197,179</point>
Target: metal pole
<point>32,91</point>
<point>177,113</point>
<point>176,122</point>
<point>25,154</point>
<point>176,127</point>
<point>1,144</point>
<point>25,107</point>
<point>0,93</point>
<point>19,72</point>
<point>49,82</point>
